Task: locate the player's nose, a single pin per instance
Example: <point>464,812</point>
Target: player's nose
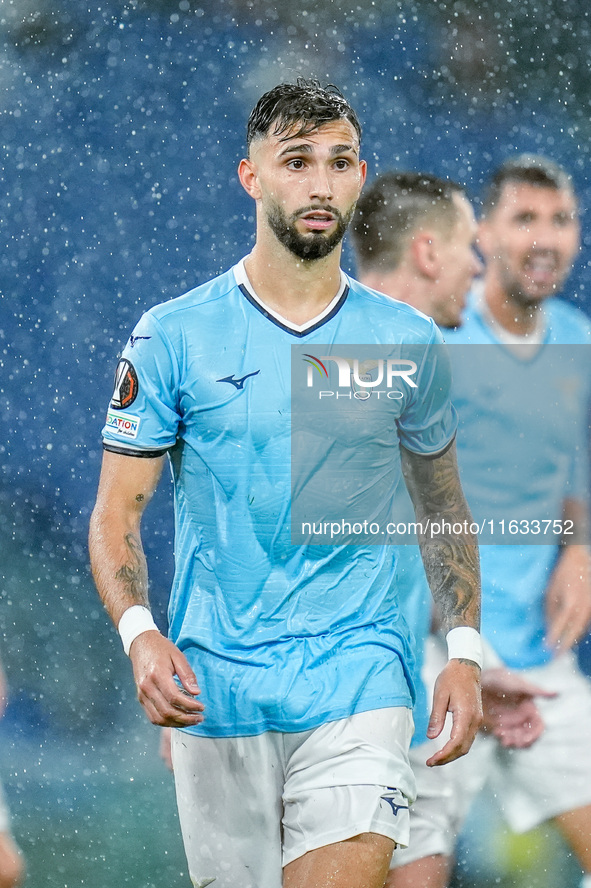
<point>320,186</point>
<point>544,237</point>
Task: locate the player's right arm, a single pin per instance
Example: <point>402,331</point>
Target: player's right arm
<point>451,564</point>
<point>126,485</point>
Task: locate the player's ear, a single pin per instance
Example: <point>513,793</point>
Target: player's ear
<point>248,178</point>
<point>363,171</point>
<point>423,249</point>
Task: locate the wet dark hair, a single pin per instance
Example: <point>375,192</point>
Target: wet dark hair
<point>528,169</point>
<point>305,104</point>
<point>392,207</point>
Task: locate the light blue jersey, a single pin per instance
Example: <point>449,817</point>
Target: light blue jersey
<point>281,637</point>
<point>522,449</point>
<point>416,604</point>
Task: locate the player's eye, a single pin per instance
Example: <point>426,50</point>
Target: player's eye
<point>563,219</point>
<point>341,164</point>
<point>296,163</point>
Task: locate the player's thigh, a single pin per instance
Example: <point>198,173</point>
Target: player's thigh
<point>431,871</point>
<point>229,801</point>
<point>359,862</point>
<point>349,778</point>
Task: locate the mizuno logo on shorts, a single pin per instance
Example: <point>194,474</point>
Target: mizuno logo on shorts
<point>395,799</point>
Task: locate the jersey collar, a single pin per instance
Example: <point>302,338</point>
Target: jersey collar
<point>296,329</point>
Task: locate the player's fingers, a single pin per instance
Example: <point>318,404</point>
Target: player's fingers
<point>525,689</point>
<point>521,736</point>
<point>448,753</point>
<point>439,758</point>
<point>168,720</point>
<point>465,726</point>
<point>170,711</point>
<point>167,697</point>
<point>438,714</point>
<point>186,676</point>
<point>157,684</point>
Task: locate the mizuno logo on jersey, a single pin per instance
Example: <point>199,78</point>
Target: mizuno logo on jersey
<point>238,383</point>
<point>134,339</point>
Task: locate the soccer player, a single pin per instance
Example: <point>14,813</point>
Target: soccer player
<point>414,236</point>
<point>287,667</point>
<point>12,867</point>
<point>536,598</point>
<point>415,240</point>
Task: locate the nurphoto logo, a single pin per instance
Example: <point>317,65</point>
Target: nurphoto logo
<point>361,381</point>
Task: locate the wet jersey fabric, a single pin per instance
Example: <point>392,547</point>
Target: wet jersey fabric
<point>281,637</point>
<point>522,449</point>
<point>416,604</point>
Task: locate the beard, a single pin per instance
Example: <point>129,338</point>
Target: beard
<point>525,297</point>
<point>314,244</point>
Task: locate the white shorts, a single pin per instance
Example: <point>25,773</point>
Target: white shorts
<point>250,805</point>
<point>554,775</point>
<point>531,785</point>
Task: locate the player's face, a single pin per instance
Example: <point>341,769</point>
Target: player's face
<point>530,240</point>
<point>459,266</point>
<point>307,186</point>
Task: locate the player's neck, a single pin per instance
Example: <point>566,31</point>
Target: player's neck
<point>514,316</point>
<point>294,288</point>
<point>398,284</point>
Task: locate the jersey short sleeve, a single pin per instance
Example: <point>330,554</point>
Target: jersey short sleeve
<point>143,417</point>
<point>429,422</point>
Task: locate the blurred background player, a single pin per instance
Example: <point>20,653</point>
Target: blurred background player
<point>414,236</point>
<point>536,598</point>
<point>12,867</point>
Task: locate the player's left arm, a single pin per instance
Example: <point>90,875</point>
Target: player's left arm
<point>568,594</point>
<point>452,567</point>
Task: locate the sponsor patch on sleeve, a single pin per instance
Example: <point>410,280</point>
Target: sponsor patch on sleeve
<point>123,424</point>
<point>126,385</point>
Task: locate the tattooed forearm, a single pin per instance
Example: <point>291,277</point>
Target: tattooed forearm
<point>133,574</point>
<point>450,558</point>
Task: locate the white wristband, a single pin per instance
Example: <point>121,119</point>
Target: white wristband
<point>135,620</point>
<point>464,643</point>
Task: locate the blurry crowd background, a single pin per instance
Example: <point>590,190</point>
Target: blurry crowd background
<point>121,125</point>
